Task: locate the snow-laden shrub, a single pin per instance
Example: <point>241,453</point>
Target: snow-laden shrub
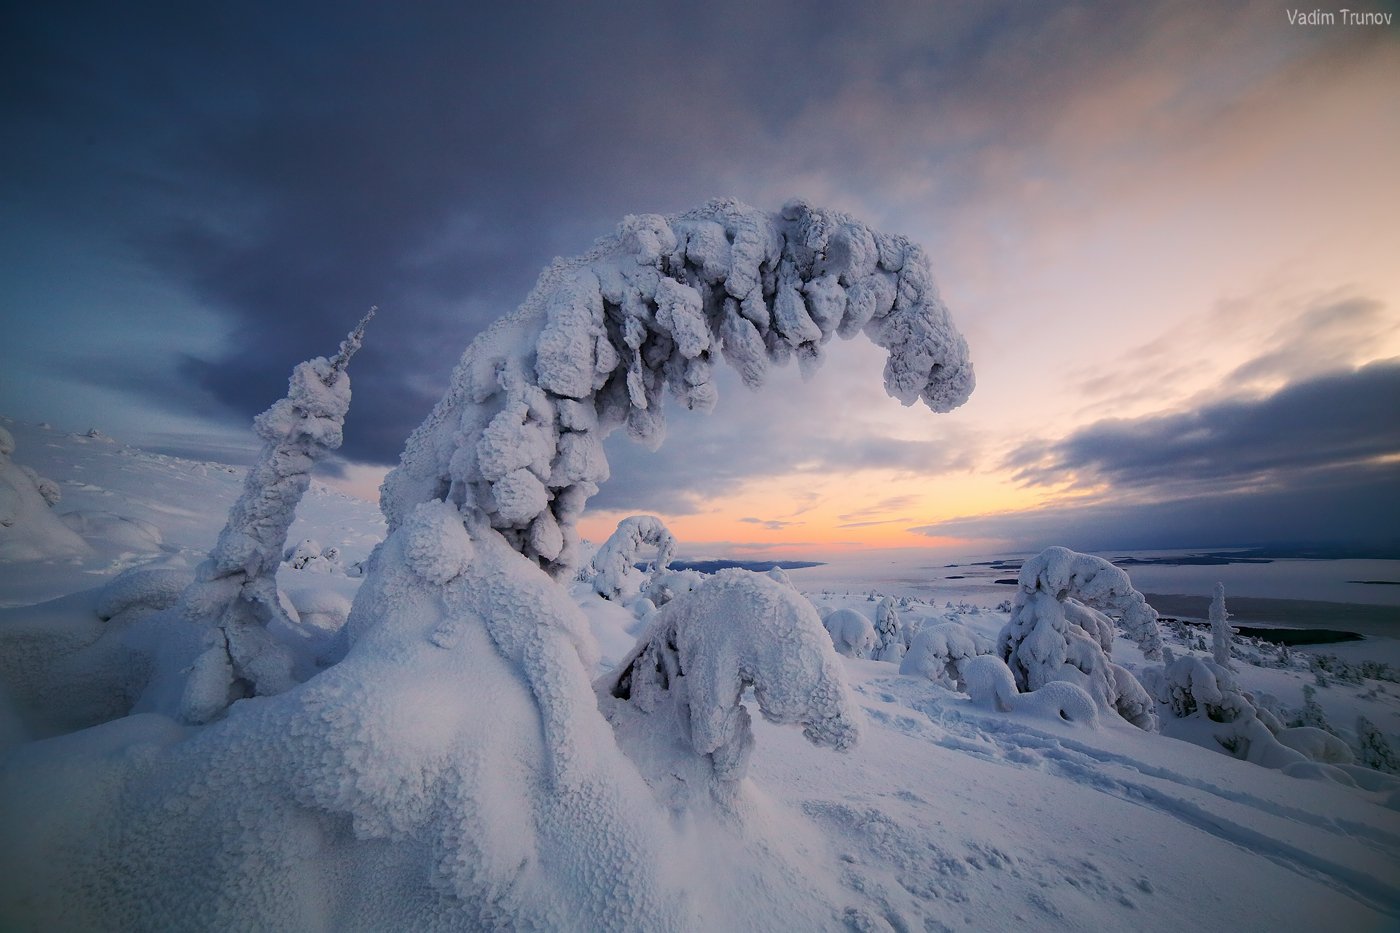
<point>939,651</point>
<point>1375,749</point>
<point>1058,630</point>
<point>991,685</point>
<point>890,640</point>
<point>650,310</point>
<point>851,633</point>
<point>29,529</point>
<point>615,575</point>
<point>1201,702</point>
<point>736,630</point>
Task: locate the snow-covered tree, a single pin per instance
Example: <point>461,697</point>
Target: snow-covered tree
<point>1057,631</point>
<point>851,633</point>
<point>650,310</point>
<point>235,590</point>
<point>1222,633</point>
<point>1375,748</point>
<point>736,630</point>
<point>615,574</point>
<point>889,632</point>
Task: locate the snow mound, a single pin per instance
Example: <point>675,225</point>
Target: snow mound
<point>29,530</point>
<point>114,530</point>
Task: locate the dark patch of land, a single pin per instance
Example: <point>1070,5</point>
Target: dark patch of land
<point>1376,582</point>
<point>1007,581</point>
<point>955,577</point>
<point>1344,618</point>
<point>757,566</point>
<point>1263,555</point>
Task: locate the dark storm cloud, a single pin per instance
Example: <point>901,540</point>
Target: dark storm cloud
<point>1313,463</point>
<point>287,165</point>
<point>1352,506</point>
<point>1336,419</point>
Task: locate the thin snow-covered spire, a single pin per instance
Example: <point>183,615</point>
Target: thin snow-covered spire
<point>352,342</point>
<point>235,589</point>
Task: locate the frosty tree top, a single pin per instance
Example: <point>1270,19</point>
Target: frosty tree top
<point>517,439</point>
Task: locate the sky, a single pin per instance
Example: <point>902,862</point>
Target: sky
<point>1168,231</point>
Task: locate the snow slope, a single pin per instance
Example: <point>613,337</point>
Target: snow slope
<point>947,814</point>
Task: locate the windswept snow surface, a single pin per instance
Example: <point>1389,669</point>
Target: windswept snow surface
<point>364,798</point>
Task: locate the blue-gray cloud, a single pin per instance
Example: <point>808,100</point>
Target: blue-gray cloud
<point>1315,462</point>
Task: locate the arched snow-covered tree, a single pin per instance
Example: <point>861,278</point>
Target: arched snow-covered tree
<point>615,576</point>
<point>650,310</point>
<point>1057,631</point>
<point>455,748</point>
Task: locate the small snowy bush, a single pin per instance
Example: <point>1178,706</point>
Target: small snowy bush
<point>851,633</point>
<point>940,650</point>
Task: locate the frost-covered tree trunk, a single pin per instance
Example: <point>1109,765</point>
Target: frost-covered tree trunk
<point>235,589</point>
<point>1221,632</point>
<point>1057,631</point>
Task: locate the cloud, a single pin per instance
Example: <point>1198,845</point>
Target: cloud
<point>792,429</point>
<point>884,506</point>
<point>770,523</point>
<point>1330,420</point>
<point>1316,461</point>
<point>1336,506</point>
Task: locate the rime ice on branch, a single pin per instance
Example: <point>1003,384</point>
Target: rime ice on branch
<point>1057,630</point>
<point>235,589</point>
<point>518,437</point>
